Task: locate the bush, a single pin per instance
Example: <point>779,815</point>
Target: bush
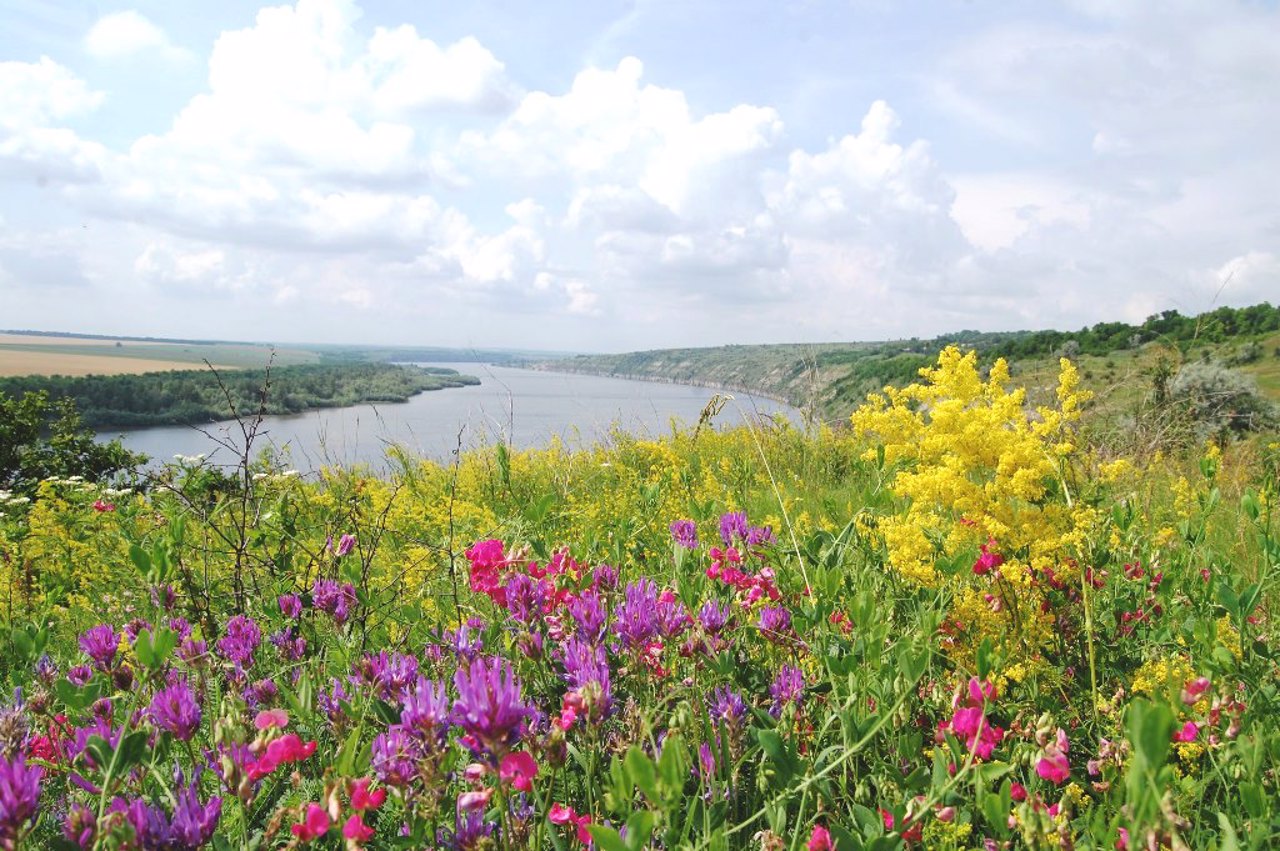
<point>1218,403</point>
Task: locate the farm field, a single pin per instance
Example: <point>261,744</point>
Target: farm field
<point>74,356</point>
<point>957,625</point>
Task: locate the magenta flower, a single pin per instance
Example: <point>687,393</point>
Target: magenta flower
<point>733,525</point>
<point>1053,765</point>
<point>425,711</point>
<point>685,534</point>
<point>345,545</point>
<point>395,755</point>
<point>337,600</point>
<point>242,639</point>
<point>489,707</point>
<point>518,769</point>
<point>989,560</point>
<point>100,644</point>
<point>176,710</point>
<point>193,823</point>
<point>19,796</point>
<point>775,622</point>
<point>636,617</point>
<point>787,687</point>
<point>290,605</point>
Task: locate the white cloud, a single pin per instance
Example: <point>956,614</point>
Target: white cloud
<point>123,34</point>
<point>34,94</point>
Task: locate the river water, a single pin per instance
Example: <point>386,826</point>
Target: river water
<point>524,408</point>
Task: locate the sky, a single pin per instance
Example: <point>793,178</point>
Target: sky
<point>614,176</point>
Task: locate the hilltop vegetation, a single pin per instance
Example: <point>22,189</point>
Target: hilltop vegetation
<point>830,379</point>
<point>202,396</point>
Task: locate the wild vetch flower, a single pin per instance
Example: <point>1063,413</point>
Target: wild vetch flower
<point>526,596</point>
<point>489,707</point>
<point>969,722</point>
<point>337,600</point>
<point>787,687</point>
<point>291,648</point>
<point>362,799</point>
<point>395,755</point>
<point>584,663</point>
<point>685,534</point>
<point>330,702</point>
<point>390,674</point>
<point>636,617</point>
<point>314,824</point>
<point>728,707</point>
<point>100,644</point>
<point>194,823</point>
<point>345,545</point>
<point>263,691</point>
<point>150,825</point>
<point>989,559</point>
<point>605,576</point>
<point>80,825</point>
<point>518,769</point>
<point>425,711</point>
<point>290,605</point>
<point>467,642</point>
<point>134,627</point>
<point>176,710</point>
<point>79,675</point>
<point>775,622</point>
<point>242,639</point>
<point>759,535</point>
<point>470,832</point>
<point>587,611</point>
<point>713,616</point>
<point>732,525</point>
<point>19,795</point>
<point>673,618</point>
<point>488,561</point>
<point>180,626</point>
<point>1053,764</point>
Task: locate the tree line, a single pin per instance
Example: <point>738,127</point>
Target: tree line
<point>188,397</point>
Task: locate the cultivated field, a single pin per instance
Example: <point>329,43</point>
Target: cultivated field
<point>24,354</point>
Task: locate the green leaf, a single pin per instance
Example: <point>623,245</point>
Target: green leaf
<point>984,658</point>
<point>1150,728</point>
<point>641,771</point>
<point>132,750</point>
<point>779,754</point>
<point>1230,842</point>
<point>640,829</point>
<point>673,766</point>
<point>141,560</point>
<point>607,838</point>
<point>22,643</point>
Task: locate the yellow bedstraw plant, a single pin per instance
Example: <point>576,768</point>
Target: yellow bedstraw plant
<point>978,472</point>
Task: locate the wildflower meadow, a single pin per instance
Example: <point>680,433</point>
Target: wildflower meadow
<point>956,623</point>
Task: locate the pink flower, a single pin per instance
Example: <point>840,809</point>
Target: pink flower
<point>1017,791</point>
<point>315,825</point>
<point>1195,688</point>
<point>560,814</point>
<point>1189,732</point>
<point>268,718</point>
<point>989,558</point>
<point>820,840</point>
<point>363,799</point>
<point>474,800</point>
<point>345,545</point>
<point>99,505</point>
<point>518,769</point>
<point>1053,766</point>
<point>356,830</point>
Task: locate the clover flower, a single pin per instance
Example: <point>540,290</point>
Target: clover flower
<point>100,644</point>
<point>241,640</point>
<point>175,709</point>
<point>636,617</point>
<point>19,796</point>
<point>425,711</point>
<point>489,707</point>
<point>395,755</point>
<point>526,596</point>
<point>727,706</point>
<point>290,605</point>
<point>193,823</point>
<point>787,687</point>
<point>733,525</point>
<point>775,622</point>
<point>685,534</point>
<point>713,616</point>
<point>334,599</point>
<point>588,613</point>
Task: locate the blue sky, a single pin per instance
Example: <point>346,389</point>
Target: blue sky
<point>626,175</point>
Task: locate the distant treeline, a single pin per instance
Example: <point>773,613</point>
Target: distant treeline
<point>200,396</point>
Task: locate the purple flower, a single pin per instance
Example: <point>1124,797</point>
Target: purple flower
<point>134,627</point>
<point>242,638</point>
<point>584,663</point>
<point>673,618</point>
<point>345,543</point>
<point>180,626</point>
<point>733,524</point>
<point>685,534</point>
<point>713,616</point>
<point>176,710</point>
<point>330,702</point>
<point>465,645</point>
<point>163,596</point>
<point>526,596</point>
<point>261,692</point>
<point>636,617</point>
<point>394,758</point>
<point>775,622</point>
<point>194,823</point>
<point>787,687</point>
<point>470,832</point>
<point>605,576</point>
<point>80,826</point>
<point>425,711</point>
<point>79,675</point>
<point>337,600</point>
<point>290,605</point>
<point>727,707</point>
<point>759,535</point>
<point>587,611</point>
<point>19,795</point>
<point>100,644</point>
<point>489,707</point>
<point>291,648</point>
<point>391,675</point>
<point>193,650</point>
<point>150,826</point>
<point>46,669</point>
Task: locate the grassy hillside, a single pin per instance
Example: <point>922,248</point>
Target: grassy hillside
<point>1118,361</point>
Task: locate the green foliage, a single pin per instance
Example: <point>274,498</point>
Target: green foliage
<point>201,396</point>
<point>42,438</point>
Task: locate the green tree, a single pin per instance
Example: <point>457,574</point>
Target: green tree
<point>40,438</point>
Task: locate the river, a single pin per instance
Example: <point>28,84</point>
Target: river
<point>524,408</point>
